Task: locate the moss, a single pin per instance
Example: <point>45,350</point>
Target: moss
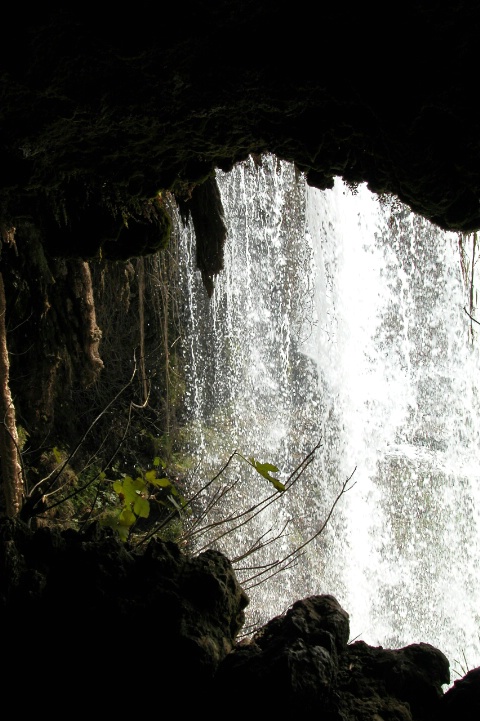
<point>142,237</point>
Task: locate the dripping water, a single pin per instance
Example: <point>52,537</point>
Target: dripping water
<point>339,321</point>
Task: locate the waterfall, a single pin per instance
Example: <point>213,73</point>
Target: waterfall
<point>339,336</point>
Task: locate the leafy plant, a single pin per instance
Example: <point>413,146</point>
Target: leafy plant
<point>136,496</point>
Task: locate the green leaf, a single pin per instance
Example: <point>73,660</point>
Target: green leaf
<point>122,531</point>
<point>157,461</point>
<point>141,507</point>
<point>118,487</point>
<point>162,483</point>
<point>265,469</point>
<point>121,523</point>
<point>150,476</point>
<point>132,488</point>
<point>57,453</point>
<point>126,518</point>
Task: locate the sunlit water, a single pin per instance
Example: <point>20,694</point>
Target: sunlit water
<point>340,321</point>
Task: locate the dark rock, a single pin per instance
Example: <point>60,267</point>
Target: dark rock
<point>206,210</point>
<point>302,664</point>
<point>462,701</point>
<point>291,664</point>
<point>99,116</point>
<point>114,614</point>
<point>91,620</point>
<point>401,683</point>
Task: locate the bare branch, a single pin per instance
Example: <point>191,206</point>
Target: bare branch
<point>471,317</point>
<point>250,513</point>
<point>56,473</point>
<point>297,550</point>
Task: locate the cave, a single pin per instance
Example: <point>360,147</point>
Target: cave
<point>108,121</point>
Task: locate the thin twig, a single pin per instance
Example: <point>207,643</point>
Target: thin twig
<point>62,467</point>
<point>261,506</point>
<point>471,317</point>
<point>343,490</point>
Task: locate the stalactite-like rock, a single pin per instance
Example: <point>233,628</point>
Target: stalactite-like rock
<point>206,210</point>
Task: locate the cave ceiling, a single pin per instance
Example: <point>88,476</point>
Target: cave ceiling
<point>103,114</point>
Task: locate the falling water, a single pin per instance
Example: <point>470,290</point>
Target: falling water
<point>339,328</point>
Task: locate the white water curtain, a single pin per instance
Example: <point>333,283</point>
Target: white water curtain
<point>344,319</point>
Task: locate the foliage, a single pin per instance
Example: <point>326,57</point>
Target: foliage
<point>136,496</point>
<point>265,469</point>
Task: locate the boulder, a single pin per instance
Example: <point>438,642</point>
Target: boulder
<point>91,621</point>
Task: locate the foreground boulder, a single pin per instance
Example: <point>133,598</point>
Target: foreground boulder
<point>462,701</point>
<point>92,615</point>
<point>302,664</point>
<point>90,622</point>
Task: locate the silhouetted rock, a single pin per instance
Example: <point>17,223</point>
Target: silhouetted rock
<point>462,701</point>
<point>90,617</point>
<point>302,664</point>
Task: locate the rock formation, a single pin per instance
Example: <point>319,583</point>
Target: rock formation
<point>99,114</point>
<point>107,119</point>
<point>99,623</point>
